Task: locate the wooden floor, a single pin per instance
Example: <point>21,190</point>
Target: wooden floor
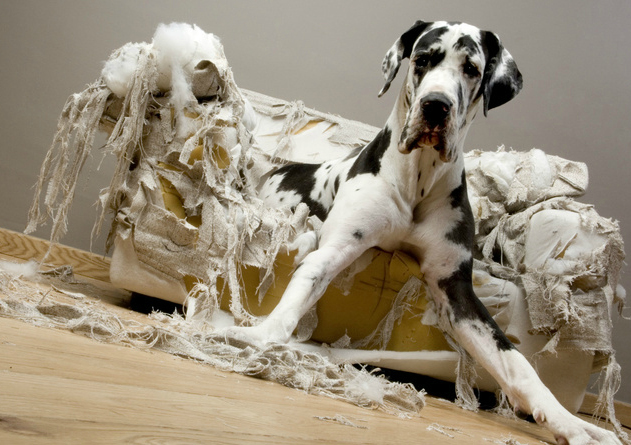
<point>60,387</point>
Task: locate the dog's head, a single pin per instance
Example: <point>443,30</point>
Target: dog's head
<point>452,67</point>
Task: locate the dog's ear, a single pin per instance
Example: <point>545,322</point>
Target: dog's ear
<point>399,51</point>
<point>502,80</point>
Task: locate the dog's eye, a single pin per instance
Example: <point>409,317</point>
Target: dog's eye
<point>422,61</point>
<point>470,69</point>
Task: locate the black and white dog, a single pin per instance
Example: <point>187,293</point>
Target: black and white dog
<point>406,190</point>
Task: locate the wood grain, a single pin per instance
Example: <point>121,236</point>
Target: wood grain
<point>623,410</point>
<point>25,247</point>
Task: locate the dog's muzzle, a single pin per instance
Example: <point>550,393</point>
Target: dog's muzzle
<point>429,125</point>
<point>435,109</point>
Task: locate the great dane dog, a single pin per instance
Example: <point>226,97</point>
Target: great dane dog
<point>406,190</point>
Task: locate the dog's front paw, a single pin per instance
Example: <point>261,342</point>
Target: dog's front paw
<point>588,435</point>
<point>258,336</point>
<point>240,336</point>
<point>570,430</point>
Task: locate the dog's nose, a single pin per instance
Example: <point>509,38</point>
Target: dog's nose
<point>436,108</point>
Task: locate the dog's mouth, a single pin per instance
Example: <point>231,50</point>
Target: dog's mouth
<point>427,138</point>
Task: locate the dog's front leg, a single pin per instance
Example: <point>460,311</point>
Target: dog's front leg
<point>365,211</point>
<point>467,320</point>
<point>309,281</point>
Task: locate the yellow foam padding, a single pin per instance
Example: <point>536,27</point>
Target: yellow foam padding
<point>356,314</point>
<point>221,156</point>
<point>172,198</point>
<point>196,154</point>
<point>191,114</point>
<point>173,201</point>
<point>309,125</point>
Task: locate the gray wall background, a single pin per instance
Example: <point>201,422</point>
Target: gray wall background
<point>574,56</point>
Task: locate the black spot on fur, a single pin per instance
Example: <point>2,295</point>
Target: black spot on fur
<point>424,62</point>
<point>408,38</point>
<point>369,159</point>
<point>336,184</point>
<point>315,281</point>
<point>467,44</point>
<point>466,305</point>
<point>459,194</point>
<point>508,85</point>
<point>429,38</point>
<point>461,100</point>
<point>358,234</point>
<point>464,231</point>
<point>437,57</point>
<point>300,179</point>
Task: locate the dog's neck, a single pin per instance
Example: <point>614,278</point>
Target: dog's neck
<point>421,174</point>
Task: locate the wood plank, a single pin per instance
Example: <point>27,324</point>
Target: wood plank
<point>623,410</point>
<point>25,247</point>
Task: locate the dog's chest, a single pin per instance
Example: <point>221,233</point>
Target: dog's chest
<point>414,180</point>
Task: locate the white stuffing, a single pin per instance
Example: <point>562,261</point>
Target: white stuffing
<point>365,385</point>
<point>118,71</point>
<point>249,119</point>
<point>28,270</point>
<point>179,48</point>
